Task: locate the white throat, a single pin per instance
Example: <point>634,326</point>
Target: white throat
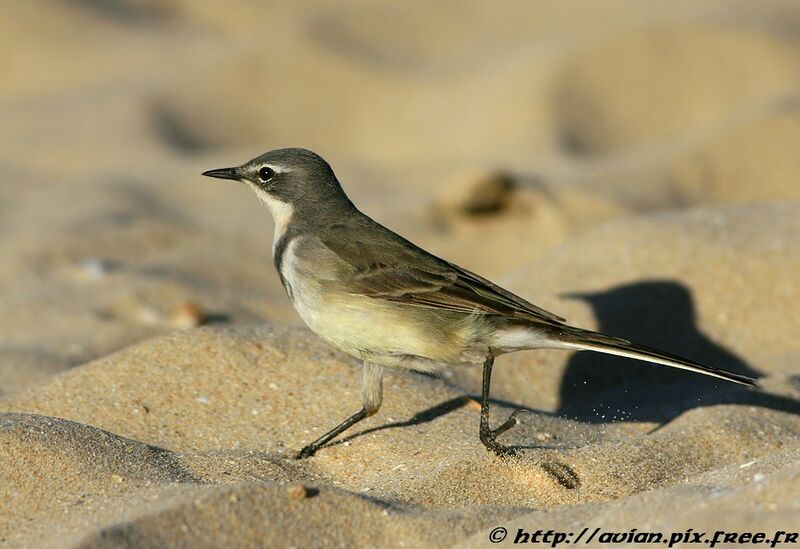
<point>282,213</point>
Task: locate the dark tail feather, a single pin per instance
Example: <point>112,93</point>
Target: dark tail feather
<point>586,340</point>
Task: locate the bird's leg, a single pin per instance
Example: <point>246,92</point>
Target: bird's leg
<point>371,395</point>
<point>310,449</point>
<point>488,436</point>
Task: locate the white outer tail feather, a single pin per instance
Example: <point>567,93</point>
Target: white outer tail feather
<point>652,356</point>
<point>518,338</point>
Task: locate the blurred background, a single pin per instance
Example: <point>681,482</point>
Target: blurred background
<point>490,133</point>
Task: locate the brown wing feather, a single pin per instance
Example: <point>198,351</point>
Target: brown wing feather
<point>494,292</point>
<point>386,266</point>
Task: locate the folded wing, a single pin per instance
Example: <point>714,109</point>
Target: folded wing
<point>386,266</point>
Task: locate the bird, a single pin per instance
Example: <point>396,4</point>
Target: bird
<point>391,304</point>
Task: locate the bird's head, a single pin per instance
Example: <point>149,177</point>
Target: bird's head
<point>297,179</point>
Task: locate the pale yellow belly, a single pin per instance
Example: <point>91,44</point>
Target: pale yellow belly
<point>361,325</point>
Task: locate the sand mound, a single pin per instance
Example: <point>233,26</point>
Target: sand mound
<point>755,496</point>
<point>756,161</point>
<point>649,86</point>
<point>153,400</point>
<point>73,469</point>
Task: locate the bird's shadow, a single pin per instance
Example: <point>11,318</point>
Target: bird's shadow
<point>424,416</point>
<point>599,388</point>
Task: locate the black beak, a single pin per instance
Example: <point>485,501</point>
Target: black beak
<point>224,173</point>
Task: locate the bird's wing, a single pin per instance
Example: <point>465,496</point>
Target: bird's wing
<point>385,266</point>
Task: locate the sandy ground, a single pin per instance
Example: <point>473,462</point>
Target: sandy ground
<point>632,166</point>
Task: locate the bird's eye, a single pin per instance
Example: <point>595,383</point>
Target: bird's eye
<point>265,174</point>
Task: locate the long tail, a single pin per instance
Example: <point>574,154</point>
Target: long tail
<point>585,340</point>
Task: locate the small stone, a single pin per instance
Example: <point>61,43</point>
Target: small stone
<point>297,491</point>
<point>117,479</point>
<point>188,315</point>
<point>473,404</point>
<point>94,268</point>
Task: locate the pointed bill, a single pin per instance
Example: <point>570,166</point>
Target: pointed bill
<point>224,173</point>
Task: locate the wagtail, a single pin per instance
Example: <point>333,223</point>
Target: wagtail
<point>380,298</point>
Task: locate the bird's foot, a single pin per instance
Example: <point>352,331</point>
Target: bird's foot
<point>488,439</point>
<point>489,436</point>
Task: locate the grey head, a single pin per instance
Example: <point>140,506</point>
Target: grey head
<point>298,179</point>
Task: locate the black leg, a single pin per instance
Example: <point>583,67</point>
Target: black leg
<point>310,449</point>
<point>488,436</point>
<point>562,473</point>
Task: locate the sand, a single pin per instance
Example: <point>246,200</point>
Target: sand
<point>629,165</point>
